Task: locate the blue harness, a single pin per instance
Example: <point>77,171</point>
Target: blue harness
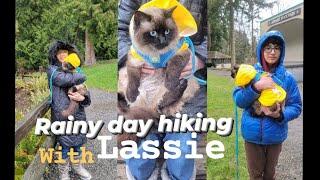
<point>161,62</point>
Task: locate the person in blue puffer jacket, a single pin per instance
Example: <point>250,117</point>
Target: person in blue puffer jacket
<point>265,134</point>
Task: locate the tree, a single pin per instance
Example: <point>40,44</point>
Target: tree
<point>101,28</point>
<point>242,45</point>
<point>222,17</point>
<point>95,22</point>
<point>231,32</point>
<point>218,25</point>
<point>233,6</point>
<point>30,39</point>
<point>39,23</point>
<point>221,21</point>
<point>90,57</point>
<point>252,9</point>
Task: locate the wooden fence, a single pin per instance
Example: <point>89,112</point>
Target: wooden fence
<point>36,169</point>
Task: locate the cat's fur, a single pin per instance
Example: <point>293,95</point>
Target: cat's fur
<point>81,89</point>
<point>160,93</point>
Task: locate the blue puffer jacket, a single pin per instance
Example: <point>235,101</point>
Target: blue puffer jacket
<point>265,130</point>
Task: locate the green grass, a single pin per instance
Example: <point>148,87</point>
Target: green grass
<point>220,104</point>
<point>102,75</point>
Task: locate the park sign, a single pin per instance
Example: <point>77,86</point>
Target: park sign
<point>285,16</point>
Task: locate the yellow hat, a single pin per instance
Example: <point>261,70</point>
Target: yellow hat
<point>270,96</point>
<point>245,74</point>
<point>73,59</point>
<point>184,20</point>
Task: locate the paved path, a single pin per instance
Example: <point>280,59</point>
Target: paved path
<point>290,161</point>
<point>103,107</point>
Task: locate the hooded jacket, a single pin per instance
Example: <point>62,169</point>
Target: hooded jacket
<point>61,82</point>
<point>267,130</point>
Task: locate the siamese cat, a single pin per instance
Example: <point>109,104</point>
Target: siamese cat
<point>153,32</point>
<point>257,107</point>
<point>81,89</point>
<point>74,105</point>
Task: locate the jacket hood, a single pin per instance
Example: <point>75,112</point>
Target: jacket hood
<point>264,38</point>
<point>60,45</point>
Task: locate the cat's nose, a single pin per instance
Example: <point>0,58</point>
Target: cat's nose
<point>162,39</point>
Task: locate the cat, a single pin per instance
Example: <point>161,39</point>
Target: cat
<point>74,105</point>
<point>81,89</point>
<point>154,32</point>
<point>257,107</point>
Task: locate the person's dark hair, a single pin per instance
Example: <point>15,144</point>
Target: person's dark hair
<point>273,41</point>
<point>61,45</point>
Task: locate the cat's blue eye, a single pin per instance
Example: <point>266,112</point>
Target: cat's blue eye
<point>153,33</point>
<point>167,31</point>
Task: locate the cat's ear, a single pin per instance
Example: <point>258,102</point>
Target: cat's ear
<point>140,17</point>
<point>234,70</point>
<point>168,13</point>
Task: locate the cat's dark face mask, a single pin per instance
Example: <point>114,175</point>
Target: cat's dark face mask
<point>163,30</point>
<point>67,67</point>
<point>160,37</point>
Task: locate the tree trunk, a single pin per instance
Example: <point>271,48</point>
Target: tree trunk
<point>253,59</point>
<point>252,38</point>
<point>231,34</point>
<point>209,38</point>
<point>90,57</point>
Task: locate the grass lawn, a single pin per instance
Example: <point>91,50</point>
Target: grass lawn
<point>220,104</point>
<point>102,75</point>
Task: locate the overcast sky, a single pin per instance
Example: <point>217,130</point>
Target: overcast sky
<point>280,6</point>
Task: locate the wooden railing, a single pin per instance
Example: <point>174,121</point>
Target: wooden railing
<point>36,169</point>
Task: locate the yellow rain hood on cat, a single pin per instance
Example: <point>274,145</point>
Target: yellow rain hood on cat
<point>187,26</point>
<point>73,59</point>
<point>268,97</point>
<point>245,74</point>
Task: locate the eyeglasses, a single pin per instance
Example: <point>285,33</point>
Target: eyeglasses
<point>269,48</point>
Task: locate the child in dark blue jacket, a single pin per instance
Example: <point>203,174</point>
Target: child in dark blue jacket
<point>60,82</point>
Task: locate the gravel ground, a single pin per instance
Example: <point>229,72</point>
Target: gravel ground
<point>291,157</point>
<point>220,72</point>
<point>103,107</point>
<point>290,161</point>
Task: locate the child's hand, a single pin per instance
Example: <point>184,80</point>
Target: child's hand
<point>265,82</point>
<point>147,70</point>
<point>273,114</point>
<point>187,70</point>
<point>76,96</point>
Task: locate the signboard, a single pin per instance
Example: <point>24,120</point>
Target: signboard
<point>285,16</point>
